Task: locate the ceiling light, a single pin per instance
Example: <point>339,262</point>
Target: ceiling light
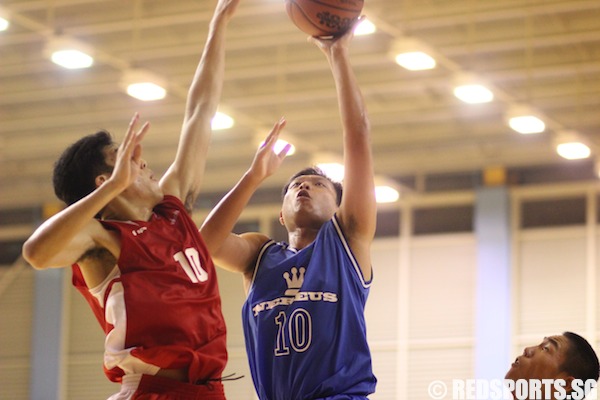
<point>221,121</point>
<point>386,194</point>
<point>470,89</point>
<point>570,146</point>
<point>573,150</point>
<point>331,164</point>
<point>143,85</point>
<point>386,190</point>
<point>365,27</point>
<point>4,20</point>
<point>473,93</point>
<point>279,145</point>
<point>412,55</point>
<point>524,120</point>
<point>415,61</point>
<point>333,170</point>
<point>69,53</point>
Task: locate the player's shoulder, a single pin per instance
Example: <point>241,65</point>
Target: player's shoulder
<point>255,240</point>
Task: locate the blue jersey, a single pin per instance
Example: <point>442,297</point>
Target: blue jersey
<point>304,321</point>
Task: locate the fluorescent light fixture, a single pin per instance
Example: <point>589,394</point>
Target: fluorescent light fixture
<point>366,27</point>
<point>471,90</point>
<point>280,144</point>
<point>334,170</point>
<point>330,163</point>
<point>473,93</point>
<point>4,24</point>
<point>527,124</point>
<point>570,146</point>
<point>386,190</point>
<point>386,194</point>
<point>221,121</point>
<point>524,120</point>
<point>415,61</point>
<point>69,53</point>
<point>573,150</point>
<point>413,55</point>
<point>143,85</point>
<point>4,19</point>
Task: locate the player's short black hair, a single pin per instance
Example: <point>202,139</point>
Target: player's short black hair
<point>319,172</point>
<point>79,165</point>
<point>581,361</point>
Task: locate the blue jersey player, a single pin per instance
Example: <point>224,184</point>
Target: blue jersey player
<point>304,315</point>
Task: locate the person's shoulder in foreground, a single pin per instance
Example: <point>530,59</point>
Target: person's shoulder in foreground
<point>567,358</point>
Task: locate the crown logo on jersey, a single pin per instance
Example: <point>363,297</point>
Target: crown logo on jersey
<point>294,281</point>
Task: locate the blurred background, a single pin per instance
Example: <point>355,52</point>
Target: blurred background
<point>443,138</point>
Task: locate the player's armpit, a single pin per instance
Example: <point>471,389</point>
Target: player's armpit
<point>238,252</point>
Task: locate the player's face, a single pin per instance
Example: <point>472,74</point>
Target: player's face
<point>145,185</point>
<point>542,361</point>
<point>309,197</point>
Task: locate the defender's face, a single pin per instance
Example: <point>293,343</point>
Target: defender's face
<point>145,183</point>
<point>309,196</point>
<point>542,361</point>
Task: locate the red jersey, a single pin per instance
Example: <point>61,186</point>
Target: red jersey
<point>160,307</point>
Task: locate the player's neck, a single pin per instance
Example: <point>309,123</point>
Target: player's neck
<point>122,210</point>
<point>302,237</point>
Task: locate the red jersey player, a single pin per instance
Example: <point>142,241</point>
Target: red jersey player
<point>136,254</point>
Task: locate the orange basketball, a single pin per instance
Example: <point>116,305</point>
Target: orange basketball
<point>324,17</point>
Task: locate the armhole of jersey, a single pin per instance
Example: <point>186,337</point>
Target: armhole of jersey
<point>357,269</point>
<point>99,292</point>
<point>258,259</point>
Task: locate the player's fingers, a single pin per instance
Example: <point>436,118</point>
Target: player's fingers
<point>137,154</point>
<point>142,132</point>
<point>284,151</point>
<point>130,134</point>
<point>274,134</point>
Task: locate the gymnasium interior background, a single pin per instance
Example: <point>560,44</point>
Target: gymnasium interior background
<point>493,243</point>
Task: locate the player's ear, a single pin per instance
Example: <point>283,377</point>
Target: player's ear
<point>568,384</point>
<point>281,218</point>
<point>100,179</point>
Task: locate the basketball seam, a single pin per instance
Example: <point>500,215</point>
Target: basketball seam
<point>331,5</point>
<point>308,19</point>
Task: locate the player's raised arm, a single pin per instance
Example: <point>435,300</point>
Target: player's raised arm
<point>64,238</point>
<point>358,209</point>
<point>236,252</point>
<point>184,176</point>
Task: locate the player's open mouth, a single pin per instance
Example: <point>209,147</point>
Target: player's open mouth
<point>303,193</point>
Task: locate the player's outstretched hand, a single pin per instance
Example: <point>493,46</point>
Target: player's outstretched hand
<point>327,44</point>
<point>266,160</point>
<point>129,154</point>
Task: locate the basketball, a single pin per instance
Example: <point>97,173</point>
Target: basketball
<point>324,17</point>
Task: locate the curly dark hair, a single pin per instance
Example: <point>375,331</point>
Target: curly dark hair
<point>79,165</point>
<point>319,172</point>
